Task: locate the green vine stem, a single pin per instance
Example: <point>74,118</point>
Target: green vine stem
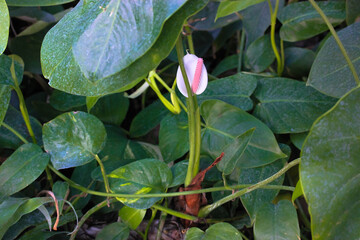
<point>193,120</point>
<point>207,209</point>
<point>173,194</point>
<point>174,213</point>
<point>103,172</point>
<point>336,37</point>
<point>273,15</point>
<point>88,214</point>
<point>189,39</point>
<point>161,223</point>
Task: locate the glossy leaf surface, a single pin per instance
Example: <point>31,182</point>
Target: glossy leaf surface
<point>13,208</point>
<point>254,200</point>
<point>5,94</point>
<point>278,222</point>
<point>329,171</point>
<point>110,44</point>
<point>4,25</point>
<point>259,55</point>
<point>36,3</point>
<point>141,177</point>
<point>334,78</point>
<point>111,109</point>
<point>224,122</point>
<point>24,166</point>
<point>234,151</point>
<point>229,7</point>
<point>174,136</point>
<point>179,170</point>
<point>114,231</point>
<point>298,139</point>
<point>289,106</point>
<point>301,20</point>
<point>218,231</point>
<point>132,217</point>
<point>73,138</point>
<point>235,90</point>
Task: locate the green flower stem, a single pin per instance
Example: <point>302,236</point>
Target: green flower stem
<point>88,214</point>
<point>161,223</point>
<point>173,194</point>
<point>16,133</point>
<point>189,39</point>
<point>336,37</point>
<point>207,209</point>
<point>174,213</point>
<point>273,15</point>
<point>153,214</point>
<point>103,172</point>
<point>193,121</point>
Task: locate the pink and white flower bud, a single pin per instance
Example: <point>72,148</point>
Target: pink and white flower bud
<point>196,73</point>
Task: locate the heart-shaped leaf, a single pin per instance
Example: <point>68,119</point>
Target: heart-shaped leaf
<point>132,217</point>
<point>72,139</point>
<point>218,231</point>
<point>235,90</point>
<point>289,106</point>
<point>254,200</point>
<point>141,177</point>
<point>301,21</point>
<point>4,25</point>
<point>23,166</point>
<point>259,55</point>
<point>234,151</point>
<point>329,171</point>
<point>278,221</point>
<point>225,122</point>
<point>331,77</point>
<point>174,136</point>
<point>110,44</point>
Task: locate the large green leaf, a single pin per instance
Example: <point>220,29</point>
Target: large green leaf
<point>103,46</point>
<point>114,231</point>
<point>329,171</point>
<point>225,122</point>
<point>259,55</point>
<point>229,7</point>
<point>278,222</point>
<point>330,73</point>
<point>298,61</point>
<point>24,166</point>
<point>13,208</point>
<point>234,151</point>
<point>148,118</point>
<point>5,66</point>
<point>111,109</point>
<point>235,90</point>
<point>289,106</point>
<point>218,231</point>
<point>14,119</point>
<point>226,64</point>
<point>141,177</point>
<point>5,94</point>
<point>35,3</point>
<point>63,101</point>
<point>174,136</point>
<point>301,20</point>
<point>4,25</point>
<point>132,217</point>
<point>254,200</point>
<point>73,138</point>
<point>352,11</point>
